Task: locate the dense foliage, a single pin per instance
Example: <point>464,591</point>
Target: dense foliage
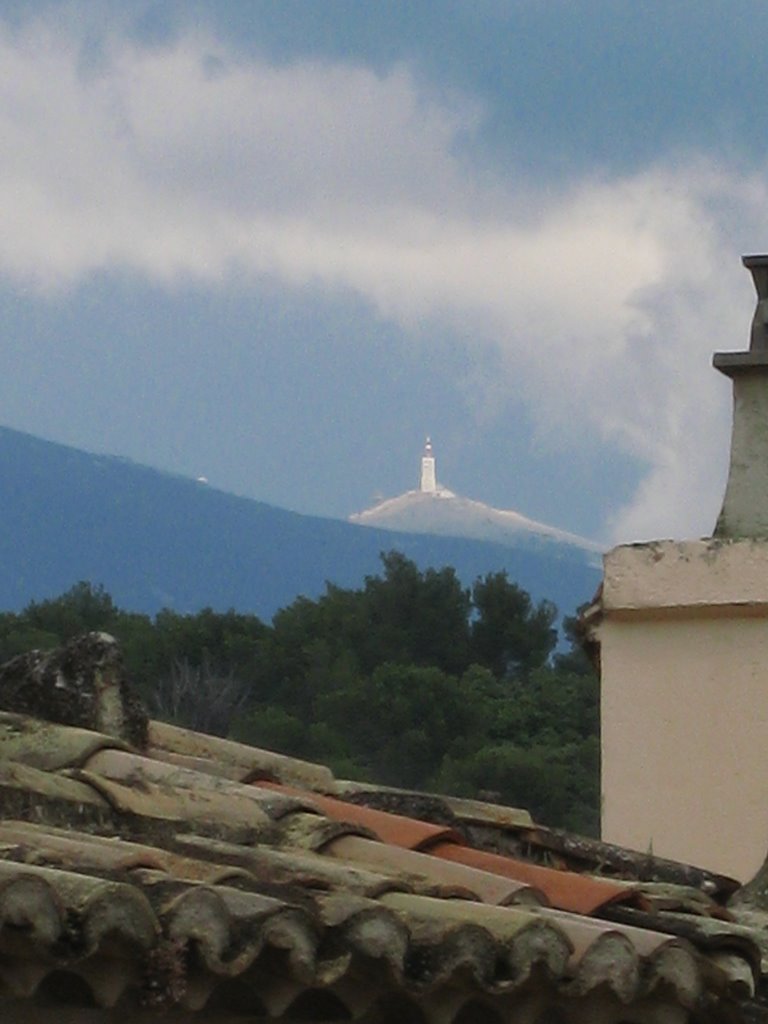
<point>412,680</point>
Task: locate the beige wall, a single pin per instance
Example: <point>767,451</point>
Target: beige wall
<point>684,703</point>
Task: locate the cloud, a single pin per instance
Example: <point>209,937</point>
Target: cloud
<point>604,300</point>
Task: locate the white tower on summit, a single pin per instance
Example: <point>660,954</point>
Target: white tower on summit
<point>428,476</point>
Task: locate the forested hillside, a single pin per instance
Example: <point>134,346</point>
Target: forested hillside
<point>411,680</point>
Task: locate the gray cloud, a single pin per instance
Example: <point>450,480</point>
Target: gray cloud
<point>181,162</point>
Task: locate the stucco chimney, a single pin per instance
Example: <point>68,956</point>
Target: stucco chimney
<point>681,629</point>
<point>745,505</point>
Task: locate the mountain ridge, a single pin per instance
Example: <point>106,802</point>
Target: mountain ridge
<point>446,513</point>
<point>155,539</point>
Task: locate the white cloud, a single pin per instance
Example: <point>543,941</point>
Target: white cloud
<point>605,301</point>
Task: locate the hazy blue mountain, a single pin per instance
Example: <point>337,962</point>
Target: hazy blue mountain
<point>156,540</point>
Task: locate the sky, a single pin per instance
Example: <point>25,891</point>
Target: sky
<point>276,244</point>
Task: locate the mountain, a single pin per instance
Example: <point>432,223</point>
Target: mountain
<point>436,510</point>
<point>447,514</point>
<point>155,540</point>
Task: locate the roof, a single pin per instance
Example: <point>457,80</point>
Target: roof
<point>209,875</point>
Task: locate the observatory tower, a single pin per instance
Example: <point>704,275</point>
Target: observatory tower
<point>428,476</point>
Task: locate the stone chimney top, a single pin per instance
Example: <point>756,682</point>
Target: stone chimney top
<point>733,363</point>
<point>82,683</point>
<point>745,506</point>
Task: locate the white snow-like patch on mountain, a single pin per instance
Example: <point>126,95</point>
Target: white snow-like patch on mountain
<point>447,514</point>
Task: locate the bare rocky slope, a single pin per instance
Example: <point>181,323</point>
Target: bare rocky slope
<point>447,514</point>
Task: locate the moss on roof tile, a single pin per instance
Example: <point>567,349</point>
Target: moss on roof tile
<point>46,745</point>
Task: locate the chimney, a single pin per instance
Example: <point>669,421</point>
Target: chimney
<point>682,628</point>
<point>745,505</point>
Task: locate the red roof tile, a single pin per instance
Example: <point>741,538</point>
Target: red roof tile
<point>408,833</point>
<point>173,879</point>
<point>564,889</point>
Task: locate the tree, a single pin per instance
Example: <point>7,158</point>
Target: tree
<point>410,680</point>
<point>559,785</point>
<point>575,659</point>
<point>509,634</point>
<point>405,616</point>
<point>81,609</point>
<point>416,617</point>
<point>398,722</point>
<point>198,698</point>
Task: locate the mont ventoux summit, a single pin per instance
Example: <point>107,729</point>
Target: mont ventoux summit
<point>157,540</point>
<point>434,509</point>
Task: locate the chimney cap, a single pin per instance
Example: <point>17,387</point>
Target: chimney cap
<point>755,360</point>
<point>756,260</point>
<point>745,508</point>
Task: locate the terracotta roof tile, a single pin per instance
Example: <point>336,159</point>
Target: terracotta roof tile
<point>53,847</point>
<point>136,770</point>
<point>39,901</point>
<point>451,879</point>
<point>408,833</point>
<point>584,853</point>
<point>18,777</point>
<point>215,865</point>
<point>237,759</point>
<point>304,870</point>
<point>462,809</point>
<point>167,803</point>
<point>564,889</point>
<point>48,746</point>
